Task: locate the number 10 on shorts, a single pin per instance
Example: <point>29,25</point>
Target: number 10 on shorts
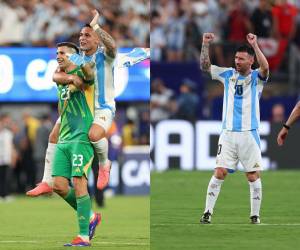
<point>77,160</point>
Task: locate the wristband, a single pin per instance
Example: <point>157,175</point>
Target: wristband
<point>95,27</point>
<point>286,126</point>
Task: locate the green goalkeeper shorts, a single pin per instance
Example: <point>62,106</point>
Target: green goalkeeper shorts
<point>72,159</point>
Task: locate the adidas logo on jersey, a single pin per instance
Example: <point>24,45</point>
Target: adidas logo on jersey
<point>256,165</point>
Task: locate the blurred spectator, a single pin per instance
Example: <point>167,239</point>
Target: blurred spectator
<point>128,133</point>
<point>278,113</point>
<point>262,21</point>
<point>175,34</point>
<point>188,101</point>
<point>44,23</point>
<point>7,155</point>
<point>238,22</point>
<point>157,37</point>
<point>41,144</point>
<point>159,101</point>
<point>284,16</point>
<point>144,128</point>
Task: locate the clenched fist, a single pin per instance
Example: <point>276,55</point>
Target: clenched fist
<point>208,37</point>
<point>252,39</point>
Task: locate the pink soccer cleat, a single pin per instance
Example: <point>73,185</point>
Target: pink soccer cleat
<point>41,189</point>
<point>103,175</point>
<point>78,242</point>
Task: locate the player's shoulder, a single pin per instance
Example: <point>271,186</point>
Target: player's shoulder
<point>221,71</point>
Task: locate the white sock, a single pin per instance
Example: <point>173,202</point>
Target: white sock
<point>48,164</point>
<point>101,148</point>
<point>255,196</point>
<point>213,191</point>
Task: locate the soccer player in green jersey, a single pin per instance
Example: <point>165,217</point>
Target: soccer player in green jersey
<point>74,153</point>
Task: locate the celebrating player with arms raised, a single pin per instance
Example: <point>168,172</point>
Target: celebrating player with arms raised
<point>239,140</point>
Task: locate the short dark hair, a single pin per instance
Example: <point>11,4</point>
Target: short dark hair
<point>87,25</point>
<point>69,45</point>
<point>246,48</point>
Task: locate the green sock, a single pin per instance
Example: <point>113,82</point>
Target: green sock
<point>71,198</point>
<point>83,214</point>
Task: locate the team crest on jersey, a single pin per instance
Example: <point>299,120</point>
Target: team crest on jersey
<point>103,118</point>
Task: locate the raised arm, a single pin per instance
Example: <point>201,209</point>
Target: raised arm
<point>106,39</point>
<point>294,116</point>
<point>204,56</point>
<point>261,59</point>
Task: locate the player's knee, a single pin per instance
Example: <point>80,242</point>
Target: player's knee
<point>96,134</point>
<point>252,176</point>
<point>53,137</point>
<point>60,189</point>
<point>220,173</point>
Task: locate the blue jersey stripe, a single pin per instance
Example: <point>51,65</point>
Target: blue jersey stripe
<point>100,77</point>
<point>254,122</point>
<point>237,113</point>
<point>226,75</point>
<point>256,137</point>
<point>237,108</point>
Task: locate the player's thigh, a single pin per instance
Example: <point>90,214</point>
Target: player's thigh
<point>61,164</point>
<point>249,151</point>
<point>102,122</point>
<point>226,152</point>
<point>82,155</point>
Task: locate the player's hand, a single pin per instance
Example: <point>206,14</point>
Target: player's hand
<point>72,88</point>
<point>282,136</point>
<point>76,80</point>
<point>95,18</point>
<point>252,39</point>
<point>208,38</point>
<point>76,59</point>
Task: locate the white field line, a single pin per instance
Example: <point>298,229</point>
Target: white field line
<point>221,224</point>
<point>93,242</point>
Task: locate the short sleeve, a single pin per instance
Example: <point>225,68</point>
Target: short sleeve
<point>217,73</point>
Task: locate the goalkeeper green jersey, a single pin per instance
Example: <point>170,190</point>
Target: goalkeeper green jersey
<point>76,111</point>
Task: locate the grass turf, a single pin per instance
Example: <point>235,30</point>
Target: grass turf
<point>178,199</point>
<point>48,223</point>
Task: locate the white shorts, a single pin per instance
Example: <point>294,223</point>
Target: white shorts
<point>104,118</point>
<point>239,146</point>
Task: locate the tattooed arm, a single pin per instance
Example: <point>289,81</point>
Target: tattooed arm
<point>106,39</point>
<point>204,56</point>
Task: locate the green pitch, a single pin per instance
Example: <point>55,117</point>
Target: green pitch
<point>48,223</point>
<point>178,199</point>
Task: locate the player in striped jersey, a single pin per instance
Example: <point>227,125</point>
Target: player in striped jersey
<point>74,154</point>
<point>239,140</point>
<point>294,116</point>
<point>102,58</point>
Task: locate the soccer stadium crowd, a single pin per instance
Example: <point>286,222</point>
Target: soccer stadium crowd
<point>176,38</point>
<point>177,26</point>
<point>45,23</point>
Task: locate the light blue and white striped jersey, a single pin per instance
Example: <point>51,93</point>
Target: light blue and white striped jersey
<point>104,80</point>
<point>241,98</point>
